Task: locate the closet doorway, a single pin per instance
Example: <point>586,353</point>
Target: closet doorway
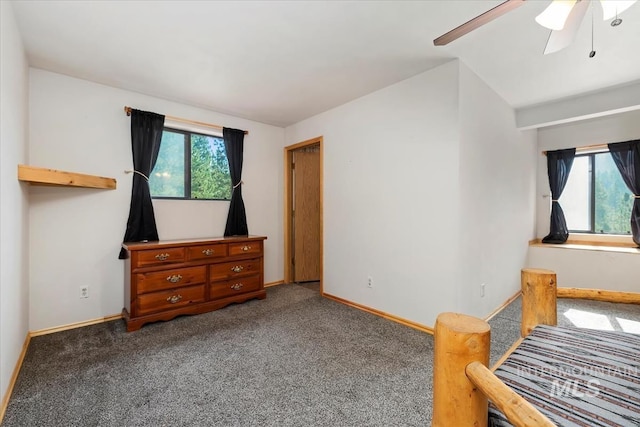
<point>303,212</point>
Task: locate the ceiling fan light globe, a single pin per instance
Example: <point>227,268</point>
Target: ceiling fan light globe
<point>611,8</point>
<point>555,15</point>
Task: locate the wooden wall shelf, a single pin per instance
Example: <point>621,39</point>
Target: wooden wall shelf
<point>42,176</point>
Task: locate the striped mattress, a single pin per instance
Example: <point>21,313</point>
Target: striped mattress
<point>576,377</point>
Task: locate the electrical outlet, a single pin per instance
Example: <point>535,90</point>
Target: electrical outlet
<point>84,292</point>
<point>482,286</point>
<point>369,282</point>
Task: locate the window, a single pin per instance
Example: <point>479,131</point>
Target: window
<point>596,199</point>
<point>190,166</point>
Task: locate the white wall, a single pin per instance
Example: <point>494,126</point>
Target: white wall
<point>75,233</point>
<point>14,289</point>
<point>497,192</point>
<point>581,268</point>
<point>395,195</point>
<point>600,103</point>
<point>589,269</point>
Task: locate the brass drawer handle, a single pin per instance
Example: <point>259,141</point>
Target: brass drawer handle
<point>237,268</point>
<point>174,298</point>
<point>246,248</point>
<point>162,257</point>
<point>237,286</point>
<point>208,252</point>
<point>175,278</point>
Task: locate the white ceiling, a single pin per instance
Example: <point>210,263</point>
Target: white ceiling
<point>279,62</point>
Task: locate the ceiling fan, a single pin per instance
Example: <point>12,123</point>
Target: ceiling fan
<point>562,17</point>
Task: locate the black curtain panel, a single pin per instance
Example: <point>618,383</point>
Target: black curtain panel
<point>626,155</point>
<point>146,134</point>
<point>558,167</point>
<point>237,218</point>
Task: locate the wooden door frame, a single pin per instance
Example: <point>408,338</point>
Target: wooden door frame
<point>288,190</point>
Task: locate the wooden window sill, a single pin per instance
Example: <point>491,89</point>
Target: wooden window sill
<point>621,247</point>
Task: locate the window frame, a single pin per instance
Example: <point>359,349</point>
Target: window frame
<point>592,197</point>
<point>592,192</point>
<point>186,133</point>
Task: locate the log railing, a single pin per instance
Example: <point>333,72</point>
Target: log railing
<point>517,410</point>
<point>462,383</point>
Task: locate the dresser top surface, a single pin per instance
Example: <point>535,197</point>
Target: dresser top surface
<point>137,246</point>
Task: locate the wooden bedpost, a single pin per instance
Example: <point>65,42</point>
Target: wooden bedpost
<point>459,340</point>
<point>539,294</point>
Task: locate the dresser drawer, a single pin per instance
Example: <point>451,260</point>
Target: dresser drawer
<point>173,298</point>
<point>160,256</point>
<point>245,248</point>
<point>234,287</point>
<point>206,252</point>
<point>170,279</point>
<point>229,270</point>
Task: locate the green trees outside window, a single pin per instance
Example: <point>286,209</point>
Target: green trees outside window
<point>191,166</point>
<point>613,200</point>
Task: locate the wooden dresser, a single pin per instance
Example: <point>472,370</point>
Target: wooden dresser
<point>168,278</point>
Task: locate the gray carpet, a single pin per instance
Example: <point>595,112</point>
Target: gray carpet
<point>294,359</point>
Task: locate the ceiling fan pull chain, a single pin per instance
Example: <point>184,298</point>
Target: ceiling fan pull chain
<point>593,52</point>
<point>616,21</point>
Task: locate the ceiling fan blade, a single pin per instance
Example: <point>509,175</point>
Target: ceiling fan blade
<point>556,14</point>
<point>611,8</point>
<point>558,40</point>
<point>478,21</point>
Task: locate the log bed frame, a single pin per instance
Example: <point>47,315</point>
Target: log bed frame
<point>462,383</point>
